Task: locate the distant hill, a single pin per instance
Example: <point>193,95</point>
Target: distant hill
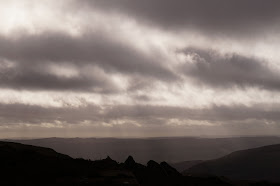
<point>158,149</point>
<point>254,164</point>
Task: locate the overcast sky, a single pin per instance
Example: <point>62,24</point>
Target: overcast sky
<point>139,68</point>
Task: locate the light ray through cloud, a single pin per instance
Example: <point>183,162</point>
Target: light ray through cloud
<point>122,68</point>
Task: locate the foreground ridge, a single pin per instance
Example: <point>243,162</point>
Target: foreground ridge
<point>32,165</point>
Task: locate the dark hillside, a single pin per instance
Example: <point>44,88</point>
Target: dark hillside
<point>254,164</point>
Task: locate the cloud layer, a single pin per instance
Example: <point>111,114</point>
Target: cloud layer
<point>223,17</point>
<point>225,71</point>
<point>145,68</point>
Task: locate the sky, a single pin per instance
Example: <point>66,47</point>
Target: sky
<point>149,68</point>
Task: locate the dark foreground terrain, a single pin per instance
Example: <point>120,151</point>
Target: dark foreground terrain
<point>31,165</point>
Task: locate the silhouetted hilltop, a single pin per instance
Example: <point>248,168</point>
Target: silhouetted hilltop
<point>12,150</point>
<point>29,165</point>
<point>170,171</point>
<point>254,164</point>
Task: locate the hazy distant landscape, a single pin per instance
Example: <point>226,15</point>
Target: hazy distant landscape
<point>172,150</point>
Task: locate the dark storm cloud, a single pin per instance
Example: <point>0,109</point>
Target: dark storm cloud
<point>32,114</point>
<point>38,77</point>
<point>232,16</point>
<point>144,115</point>
<point>32,52</point>
<point>94,48</point>
<point>214,113</point>
<point>224,71</point>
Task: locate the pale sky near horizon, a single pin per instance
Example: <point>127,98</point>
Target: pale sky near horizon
<point>139,68</point>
